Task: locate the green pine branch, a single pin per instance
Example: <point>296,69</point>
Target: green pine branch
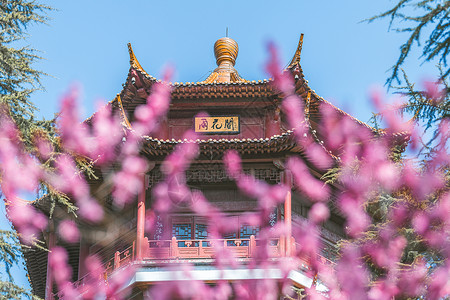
<point>416,17</point>
<point>18,81</point>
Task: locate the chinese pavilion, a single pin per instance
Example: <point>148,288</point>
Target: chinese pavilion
<point>242,115</point>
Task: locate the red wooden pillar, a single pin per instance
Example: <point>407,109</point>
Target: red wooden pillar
<point>288,212</point>
<point>140,221</point>
<point>51,244</point>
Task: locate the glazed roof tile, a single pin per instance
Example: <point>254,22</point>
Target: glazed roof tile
<point>223,140</point>
<point>274,144</point>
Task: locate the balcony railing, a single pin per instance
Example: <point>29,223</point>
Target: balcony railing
<point>206,248</point>
<point>193,249</point>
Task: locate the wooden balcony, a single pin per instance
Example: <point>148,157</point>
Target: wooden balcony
<point>178,250</point>
<point>157,250</point>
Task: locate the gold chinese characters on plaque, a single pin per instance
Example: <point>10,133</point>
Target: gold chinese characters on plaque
<point>217,124</point>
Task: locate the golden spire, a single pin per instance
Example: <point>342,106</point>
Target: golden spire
<point>226,51</point>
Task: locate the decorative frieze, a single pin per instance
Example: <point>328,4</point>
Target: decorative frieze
<point>217,175</point>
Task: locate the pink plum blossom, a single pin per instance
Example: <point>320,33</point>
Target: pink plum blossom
<point>68,231</point>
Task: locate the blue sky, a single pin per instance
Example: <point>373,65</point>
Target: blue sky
<point>85,43</point>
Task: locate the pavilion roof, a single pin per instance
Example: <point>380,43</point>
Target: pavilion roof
<point>139,82</point>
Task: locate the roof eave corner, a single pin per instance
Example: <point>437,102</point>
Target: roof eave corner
<point>134,63</point>
<point>296,59</point>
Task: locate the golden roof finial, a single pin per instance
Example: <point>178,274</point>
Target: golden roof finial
<point>226,51</point>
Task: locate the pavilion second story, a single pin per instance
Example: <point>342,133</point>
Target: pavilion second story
<point>183,235</point>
